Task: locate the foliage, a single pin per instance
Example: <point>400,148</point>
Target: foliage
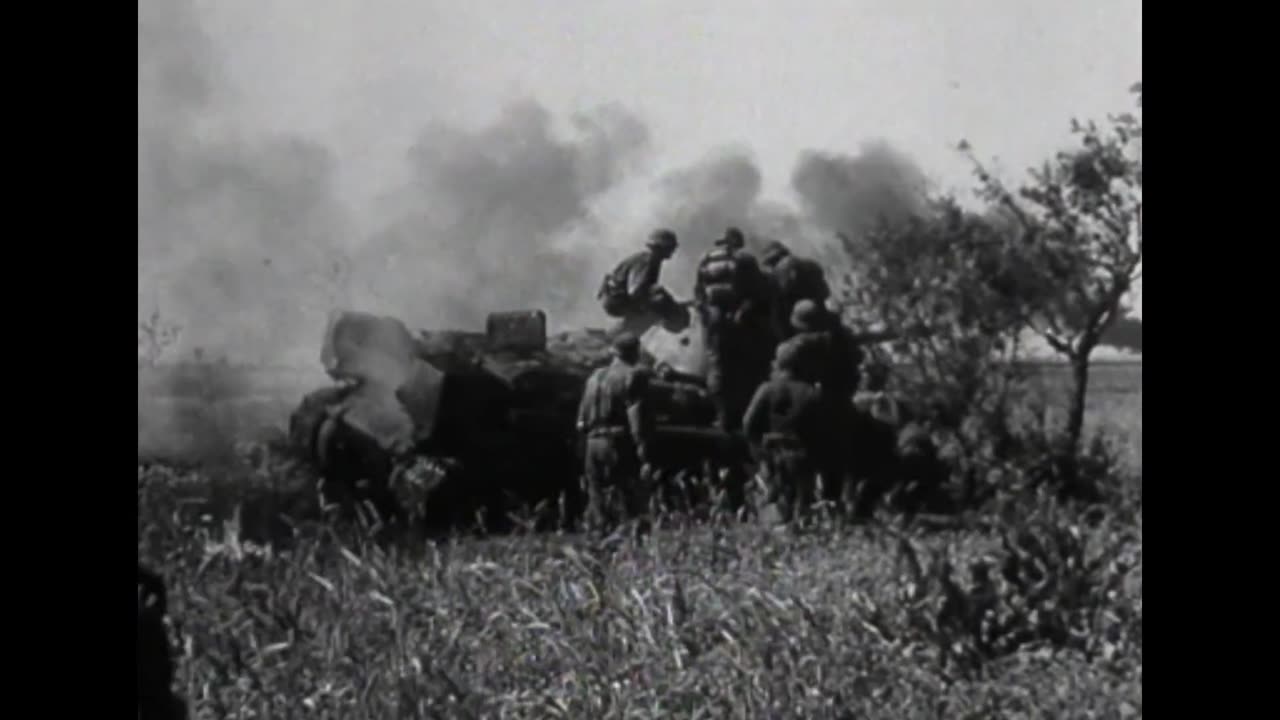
<point>979,282</point>
<point>1081,246</point>
<point>1051,584</point>
<point>695,622</point>
<point>946,271</point>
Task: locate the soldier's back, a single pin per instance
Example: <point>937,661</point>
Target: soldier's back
<point>637,266</point>
<point>789,407</point>
<point>806,353</point>
<point>608,391</point>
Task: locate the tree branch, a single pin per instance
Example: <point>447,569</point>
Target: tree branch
<point>1058,344</point>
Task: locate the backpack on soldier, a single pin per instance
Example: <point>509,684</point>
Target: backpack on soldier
<point>719,275</point>
<point>612,293</point>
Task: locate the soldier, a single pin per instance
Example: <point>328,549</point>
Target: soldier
<point>825,353</point>
<point>631,291</point>
<point>792,279</point>
<point>831,355</point>
<point>156,698</point>
<point>783,424</point>
<point>731,294</point>
<point>614,416</point>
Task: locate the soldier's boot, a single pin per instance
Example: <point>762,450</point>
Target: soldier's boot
<point>782,496</point>
<point>733,480</point>
<point>851,500</point>
<point>827,490</point>
<point>593,513</point>
<point>641,502</point>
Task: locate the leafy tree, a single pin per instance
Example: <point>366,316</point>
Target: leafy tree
<point>1081,242</point>
<point>944,282</point>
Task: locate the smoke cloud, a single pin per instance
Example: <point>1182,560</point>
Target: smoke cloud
<point>245,241</point>
<point>851,193</point>
<point>239,239</point>
<point>487,218</point>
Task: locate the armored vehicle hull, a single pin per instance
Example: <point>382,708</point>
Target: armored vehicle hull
<point>451,427</point>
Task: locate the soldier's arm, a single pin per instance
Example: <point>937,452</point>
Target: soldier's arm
<point>753,421</point>
<point>584,404</point>
<point>638,408</point>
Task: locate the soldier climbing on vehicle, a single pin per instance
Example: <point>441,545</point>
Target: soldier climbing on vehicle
<point>614,416</point>
<point>783,425</point>
<point>631,291</point>
<point>791,279</point>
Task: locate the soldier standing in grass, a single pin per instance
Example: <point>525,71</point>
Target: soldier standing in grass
<point>631,291</point>
<point>831,355</point>
<point>614,416</point>
<point>783,424</point>
<point>826,354</point>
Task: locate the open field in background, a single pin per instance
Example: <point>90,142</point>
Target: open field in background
<point>179,409</point>
<point>704,622</point>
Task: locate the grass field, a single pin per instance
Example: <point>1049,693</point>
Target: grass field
<point>733,621</point>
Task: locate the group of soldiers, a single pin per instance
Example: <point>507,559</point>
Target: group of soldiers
<point>781,368</point>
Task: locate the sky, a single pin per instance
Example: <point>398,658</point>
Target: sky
<point>342,90</point>
<point>777,77</point>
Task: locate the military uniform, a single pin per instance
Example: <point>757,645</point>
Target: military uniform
<point>825,353</point>
<point>783,423</point>
<point>791,280</point>
<point>631,291</point>
<point>614,417</point>
<point>731,293</point>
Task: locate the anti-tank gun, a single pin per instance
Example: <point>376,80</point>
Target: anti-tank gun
<point>451,423</point>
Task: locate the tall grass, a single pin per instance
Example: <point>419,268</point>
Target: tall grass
<point>712,621</point>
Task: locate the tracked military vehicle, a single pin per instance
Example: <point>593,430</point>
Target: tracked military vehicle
<point>465,425</point>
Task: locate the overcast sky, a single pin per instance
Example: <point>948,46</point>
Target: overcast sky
<point>778,77</point>
<point>275,137</point>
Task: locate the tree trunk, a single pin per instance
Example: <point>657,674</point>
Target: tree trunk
<point>1079,391</point>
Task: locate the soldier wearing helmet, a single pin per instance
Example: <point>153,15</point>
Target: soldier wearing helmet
<point>783,424</point>
<point>829,354</point>
<point>791,280</point>
<point>631,291</point>
<point>614,417</point>
<point>824,353</point>
<point>732,296</point>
